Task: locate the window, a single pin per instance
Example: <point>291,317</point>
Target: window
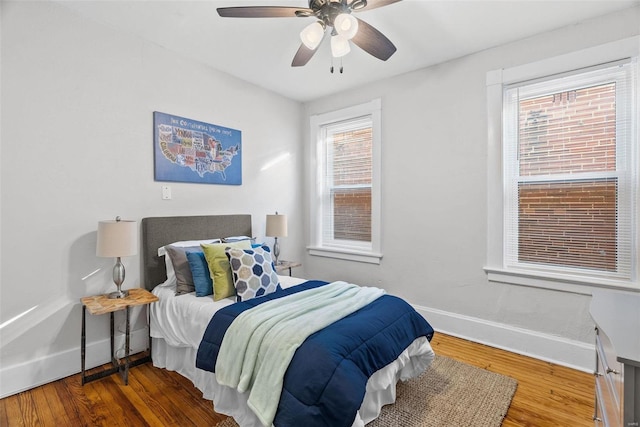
<point>346,191</point>
<point>570,177</point>
<point>347,155</point>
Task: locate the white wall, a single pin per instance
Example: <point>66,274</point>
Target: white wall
<point>434,133</point>
<point>77,102</point>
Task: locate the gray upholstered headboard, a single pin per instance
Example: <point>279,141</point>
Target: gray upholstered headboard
<point>160,231</point>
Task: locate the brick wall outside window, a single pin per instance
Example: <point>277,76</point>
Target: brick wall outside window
<point>568,224</point>
<point>564,222</point>
<point>352,215</point>
<point>352,175</point>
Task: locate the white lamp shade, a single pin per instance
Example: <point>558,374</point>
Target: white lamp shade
<point>339,46</point>
<point>312,35</point>
<point>117,238</point>
<point>276,225</point>
<point>346,25</point>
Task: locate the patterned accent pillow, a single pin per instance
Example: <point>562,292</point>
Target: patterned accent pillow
<point>253,271</point>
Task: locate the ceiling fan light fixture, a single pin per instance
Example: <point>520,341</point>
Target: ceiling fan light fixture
<point>346,25</point>
<point>327,13</point>
<point>339,46</point>
<point>312,35</point>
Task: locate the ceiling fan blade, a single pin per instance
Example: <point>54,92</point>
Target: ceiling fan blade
<point>262,12</point>
<point>303,55</point>
<point>371,4</point>
<point>373,41</point>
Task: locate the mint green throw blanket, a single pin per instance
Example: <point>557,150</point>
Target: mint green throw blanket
<point>260,343</point>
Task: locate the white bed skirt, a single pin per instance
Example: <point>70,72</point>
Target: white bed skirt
<point>381,387</point>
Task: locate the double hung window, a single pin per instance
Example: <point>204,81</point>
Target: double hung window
<point>570,178</point>
<point>345,197</point>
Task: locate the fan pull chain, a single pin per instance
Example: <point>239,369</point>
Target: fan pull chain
<point>341,66</point>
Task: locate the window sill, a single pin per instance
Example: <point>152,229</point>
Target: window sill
<point>556,282</point>
<point>348,255</point>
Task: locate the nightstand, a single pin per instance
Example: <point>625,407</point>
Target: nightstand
<point>101,304</point>
<point>284,265</point>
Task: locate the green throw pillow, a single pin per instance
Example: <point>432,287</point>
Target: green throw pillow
<point>219,267</point>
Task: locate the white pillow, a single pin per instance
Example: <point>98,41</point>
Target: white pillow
<point>237,239</point>
<point>171,274</point>
<point>186,243</point>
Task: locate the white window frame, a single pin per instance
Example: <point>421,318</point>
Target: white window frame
<point>496,267</point>
<point>352,251</point>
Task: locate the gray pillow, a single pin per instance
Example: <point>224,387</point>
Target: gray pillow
<point>184,278</point>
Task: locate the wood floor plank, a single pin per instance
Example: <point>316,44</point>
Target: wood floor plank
<point>28,409</point>
<point>4,420</point>
<point>69,402</point>
<point>45,413</point>
<point>153,413</point>
<point>100,414</point>
<point>194,411</point>
<point>159,412</point>
<point>13,415</point>
<point>82,404</point>
<point>55,404</point>
<point>547,395</point>
<point>165,399</point>
<point>122,411</point>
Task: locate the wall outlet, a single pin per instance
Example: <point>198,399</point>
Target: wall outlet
<point>166,192</point>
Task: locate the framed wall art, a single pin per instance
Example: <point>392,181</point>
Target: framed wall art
<point>187,150</point>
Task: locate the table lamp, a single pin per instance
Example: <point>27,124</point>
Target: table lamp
<point>276,227</point>
<point>117,238</point>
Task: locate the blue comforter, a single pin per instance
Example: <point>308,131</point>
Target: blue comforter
<point>326,379</point>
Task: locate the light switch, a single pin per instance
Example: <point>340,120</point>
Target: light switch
<point>166,192</point>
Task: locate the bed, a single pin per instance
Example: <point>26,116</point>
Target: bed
<point>179,322</point>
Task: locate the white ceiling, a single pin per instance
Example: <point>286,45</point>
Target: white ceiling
<point>260,50</point>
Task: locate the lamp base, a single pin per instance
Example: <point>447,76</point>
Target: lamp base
<point>118,278</point>
<point>276,251</point>
<point>118,294</point>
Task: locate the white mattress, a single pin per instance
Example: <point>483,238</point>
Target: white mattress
<point>178,324</point>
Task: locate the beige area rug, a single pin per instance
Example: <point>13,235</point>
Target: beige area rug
<point>449,393</point>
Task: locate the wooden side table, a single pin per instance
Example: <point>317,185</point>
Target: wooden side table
<point>101,304</point>
<point>284,265</point>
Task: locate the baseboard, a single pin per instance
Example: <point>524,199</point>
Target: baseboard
<point>27,375</point>
<point>550,348</point>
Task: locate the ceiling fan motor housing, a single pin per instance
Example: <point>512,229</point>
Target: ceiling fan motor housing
<point>327,10</point>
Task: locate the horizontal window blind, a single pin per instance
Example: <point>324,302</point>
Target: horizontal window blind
<point>348,182</point>
<point>570,174</point>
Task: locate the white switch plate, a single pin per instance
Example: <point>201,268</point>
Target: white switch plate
<point>166,192</point>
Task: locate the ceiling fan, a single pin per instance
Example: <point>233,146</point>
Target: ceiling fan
<point>334,14</point>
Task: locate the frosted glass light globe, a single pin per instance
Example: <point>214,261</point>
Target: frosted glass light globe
<point>312,35</point>
<point>346,25</point>
<point>339,46</point>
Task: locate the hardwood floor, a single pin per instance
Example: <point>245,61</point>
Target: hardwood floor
<point>547,395</point>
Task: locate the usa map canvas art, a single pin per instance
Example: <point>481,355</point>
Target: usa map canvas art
<point>187,150</point>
